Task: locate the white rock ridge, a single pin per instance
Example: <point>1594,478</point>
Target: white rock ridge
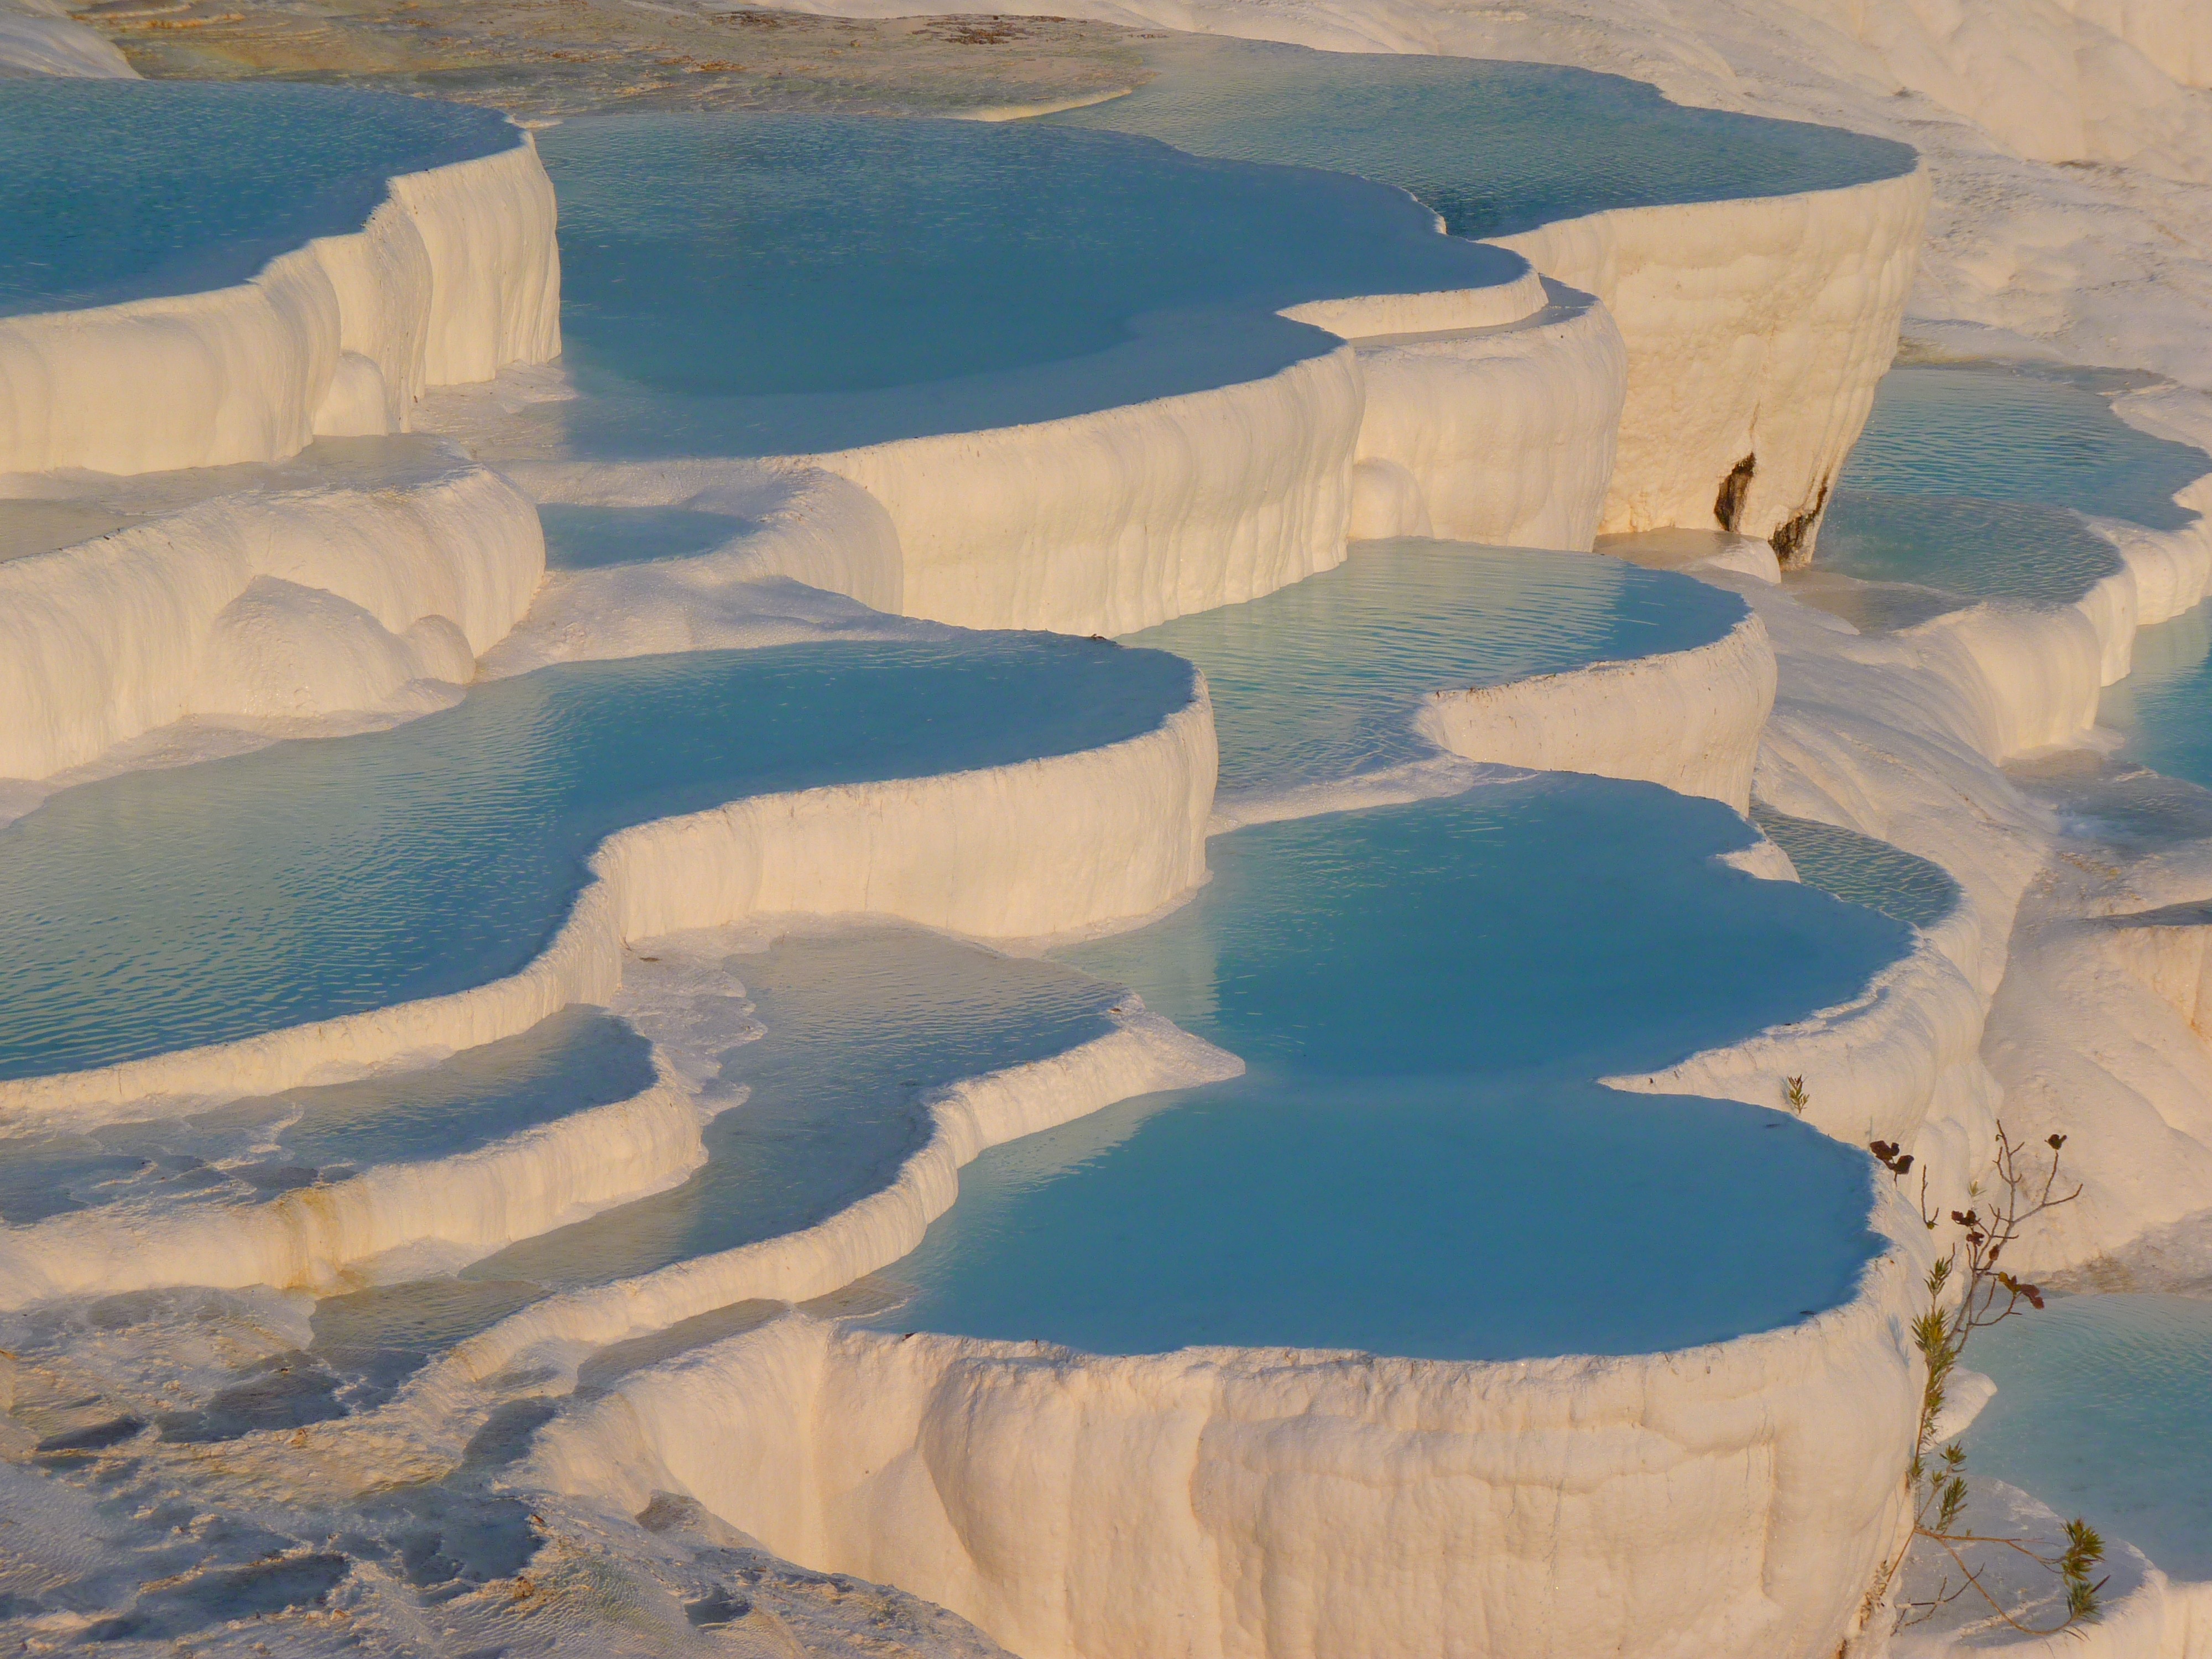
<point>267,604</point>
<point>1734,1499</point>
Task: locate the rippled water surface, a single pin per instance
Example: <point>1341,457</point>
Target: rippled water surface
<point>120,190</point>
<point>1418,1161</point>
<point>1973,478</point>
<point>163,909</point>
<point>1861,869</point>
<point>2104,1409</point>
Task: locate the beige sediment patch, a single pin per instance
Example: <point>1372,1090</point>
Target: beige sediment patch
<point>547,59</point>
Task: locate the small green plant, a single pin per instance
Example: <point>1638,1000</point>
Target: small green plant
<point>1793,1094</point>
<point>1969,1292</point>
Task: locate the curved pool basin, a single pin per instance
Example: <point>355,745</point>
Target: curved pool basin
<point>1320,680</point>
<point>1861,869</point>
<point>2104,1409</point>
<point>1417,1162</point>
<point>259,1147</point>
<point>127,190</point>
<point>739,284</point>
<point>1973,478</point>
<point>161,910</point>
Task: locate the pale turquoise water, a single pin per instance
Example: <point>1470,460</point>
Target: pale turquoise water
<point>1321,680</point>
<point>257,1147</point>
<point>2164,706</point>
<point>119,190</point>
<point>1418,1161</point>
<point>2104,1409</point>
<point>741,283</point>
<point>1494,148</point>
<point>1972,478</point>
<point>1860,870</point>
<point>163,909</point>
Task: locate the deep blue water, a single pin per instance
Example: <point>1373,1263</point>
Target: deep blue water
<point>1418,1161</point>
<point>1320,680</point>
<point>164,909</point>
<point>757,284</point>
<point>121,190</point>
<point>1494,148</point>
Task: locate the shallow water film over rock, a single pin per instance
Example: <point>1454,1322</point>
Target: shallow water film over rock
<point>1359,830</point>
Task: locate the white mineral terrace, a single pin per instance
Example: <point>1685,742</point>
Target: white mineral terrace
<point>1702,367</point>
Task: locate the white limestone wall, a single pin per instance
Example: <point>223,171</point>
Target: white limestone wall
<point>1900,1062</point>
<point>454,274</point>
<point>1011,852</point>
<point>1504,437</point>
<point>1754,328</point>
<point>38,37</point>
<point>1110,522</point>
<point>1688,719</point>
<point>458,1209</point>
<point>266,604</point>
<point>1732,1500</point>
<point>1495,423</point>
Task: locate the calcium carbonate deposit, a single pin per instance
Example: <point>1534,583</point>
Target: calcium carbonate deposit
<point>1219,831</point>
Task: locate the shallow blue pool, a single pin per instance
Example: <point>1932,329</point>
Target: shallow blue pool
<point>1494,148</point>
<point>1321,680</point>
<point>1972,478</point>
<point>1418,1161</point>
<point>159,910</point>
<point>2104,1409</point>
<point>121,190</point>
<point>261,1146</point>
<point>737,283</point>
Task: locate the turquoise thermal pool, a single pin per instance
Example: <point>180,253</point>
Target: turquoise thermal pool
<point>125,190</point>
<point>1493,148</point>
<point>2104,1409</point>
<point>768,284</point>
<point>259,1147</point>
<point>1320,680</point>
<point>167,910</point>
<point>1972,479</point>
<point>1418,1161</point>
